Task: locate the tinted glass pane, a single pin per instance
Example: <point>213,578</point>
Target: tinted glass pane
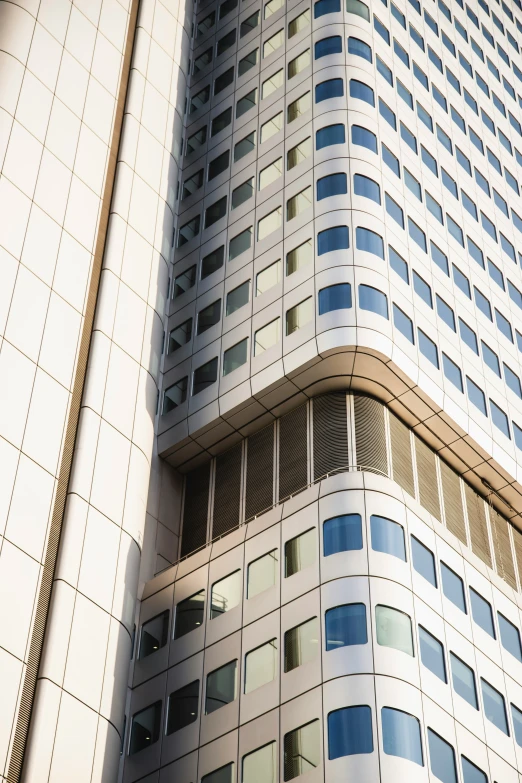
<point>401,735</point>
<point>302,747</point>
<point>373,300</point>
<point>300,552</point>
<point>335,297</point>
<point>387,536</point>
<point>393,629</point>
<point>369,241</point>
<point>332,134</point>
<point>342,534</point>
<point>509,636</point>
<point>145,728</point>
<point>442,758</point>
<point>333,88</point>
<point>221,687</point>
<point>432,654</point>
<point>154,634</point>
<point>222,775</point>
<point>345,626</point>
<point>471,773</point>
<point>516,714</point>
<point>481,612</point>
<point>423,561</point>
<point>350,732</point>
<point>262,574</point>
<point>494,707</point>
<point>301,644</point>
<point>183,707</point>
<point>226,594</point>
<point>453,587</point>
<point>336,238</point>
<point>189,614</point>
<point>463,680</point>
<point>261,666</point>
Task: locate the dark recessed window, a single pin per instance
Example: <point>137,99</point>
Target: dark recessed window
<point>218,165</point>
<point>189,614</point>
<point>183,706</point>
<point>199,99</point>
<point>300,552</point>
<point>333,88</point>
<point>342,534</point>
<point>205,376</point>
<point>249,24</point>
<point>209,316</point>
<point>238,297</point>
<point>247,62</point>
<point>201,62</point>
<point>154,634</point>
<point>212,262</point>
<point>184,281</point>
<point>246,103</point>
<point>243,147</point>
<point>222,775</point>
<point>223,81</point>
<point>220,122</point>
<point>145,728</point>
<point>192,184</point>
<point>335,238</point>
<point>196,140</point>
<point>221,687</point>
<point>332,134</point>
<point>180,336</point>
<point>189,230</point>
<point>215,212</point>
<point>226,42</point>
<point>175,395</point>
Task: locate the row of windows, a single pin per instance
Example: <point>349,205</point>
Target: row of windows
<point>340,534</point>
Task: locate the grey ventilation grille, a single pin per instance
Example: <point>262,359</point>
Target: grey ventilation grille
<point>260,472</point>
<point>402,460</point>
<point>453,510</point>
<point>502,547</point>
<point>370,434</point>
<point>330,434</point>
<point>293,452</point>
<point>227,491</point>
<point>427,478</point>
<point>195,510</point>
<point>477,525</point>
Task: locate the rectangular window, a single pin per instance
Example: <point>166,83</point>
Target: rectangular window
<point>482,613</point>
<point>428,348</point>
<point>295,761</point>
<point>468,336</point>
<point>299,315</point>
<point>393,629</point>
<point>183,707</point>
<point>509,636</point>
<point>300,552</point>
<point>221,687</point>
<point>299,63</point>
<point>261,765</point>
<point>422,289</point>
<point>463,678</point>
<point>222,775</point>
<point>342,534</point>
<point>226,594</point>
<point>345,626</point>
<point>350,731</point>
<point>299,153</point>
<point>299,23</point>
<point>423,561</point>
<point>270,173</point>
<point>494,707</point>
<point>401,735</point>
<point>154,635</point>
<point>270,223</point>
<point>442,758</point>
<point>445,313</point>
<point>262,574</point>
<point>453,587</point>
<point>452,372</point>
<point>261,666</point>
<point>267,337</point>
<point>273,43</point>
<point>432,654</point>
<point>301,644</point>
<point>298,203</point>
<point>299,257</point>
<point>398,264</point>
<point>190,614</point>
<point>387,536</point>
<point>273,83</point>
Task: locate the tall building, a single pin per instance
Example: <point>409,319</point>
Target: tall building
<point>260,398</point>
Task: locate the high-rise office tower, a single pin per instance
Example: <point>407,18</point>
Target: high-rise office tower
<point>314,489</point>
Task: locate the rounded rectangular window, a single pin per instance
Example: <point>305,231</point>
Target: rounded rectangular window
<point>327,46</point>
<point>302,750</point>
<point>212,262</point>
<point>301,644</point>
<point>154,634</point>
<point>240,243</point>
<point>299,257</point>
<point>471,773</point>
<point>183,706</point>
<point>145,728</point>
<point>267,336</point>
<point>262,574</point>
<point>330,135</point>
<point>393,629</point>
<point>494,707</point>
<point>238,297</point>
<point>335,297</point>
<point>235,357</point>
<point>226,594</point>
<point>221,687</point>
<point>270,223</point>
<point>261,666</point>
<point>481,612</point>
<point>335,238</point>
<point>364,138</point>
<point>453,587</point>
<point>189,614</point>
<point>401,735</point>
<point>387,536</point>
<point>222,775</point>
<point>350,732</point>
<point>299,153</point>
<point>345,626</point>
<point>359,49</point>
<point>299,315</point>
<point>463,678</point>
<point>509,636</point>
<point>300,552</point>
<point>432,654</point>
<point>362,91</point>
<point>268,277</point>
<point>442,758</point>
<point>423,561</point>
<point>366,187</point>
<point>205,376</point>
<point>270,173</point>
<point>323,7</point>
<point>342,534</point>
<point>373,300</point>
<point>332,185</point>
<point>368,240</point>
<point>242,193</point>
<point>332,88</point>
<point>358,8</point>
<point>298,203</point>
<point>260,766</point>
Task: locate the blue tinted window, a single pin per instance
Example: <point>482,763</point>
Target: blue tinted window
<point>364,186</point>
<point>330,239</point>
<point>387,536</point>
<point>399,16</point>
<point>490,358</point>
<point>425,117</point>
<point>333,88</point>
<point>345,626</point>
<point>516,714</point>
<point>476,395</point>
<point>452,372</point>
<point>482,183</point>
<point>403,323</point>
<point>383,69</point>
<point>335,297</point>
<point>390,160</point>
<point>398,264</point>
<point>401,53</point>
<point>369,241</point>
<point>429,161</point>
<point>350,732</point>
<point>373,300</point>
<point>481,612</point>
<point>342,534</point>
<point>359,48</point>
<point>401,735</point>
<point>476,140</point>
<point>503,325</point>
<point>475,252</point>
<point>332,185</point>
<point>417,234</point>
<point>420,75</point>
<point>331,134</point>
<point>432,654</point>
<point>405,94</point>
<point>381,29</point>
<point>463,161</point>
<point>471,773</point>
<point>496,275</point>
<point>384,111</point>
<point>512,381</point>
<point>409,138</point>
<point>455,230</point>
<point>461,281</point>
<point>439,258</point>
<point>417,37</point>
<point>469,205</point>
<point>449,183</point>
<point>466,65</point>
<point>509,636</point>
<point>423,561</point>
<point>362,91</point>
<point>442,758</point>
<point>323,7</point>
<point>499,419</point>
<point>494,706</point>
<point>394,210</point>
<point>468,336</point>
<point>453,587</point>
<point>364,138</point>
<point>435,59</point>
<point>445,312</point>
<point>439,97</point>
<point>413,184</point>
<point>463,678</point>
<point>428,348</point>
<point>482,303</point>
<point>488,226</point>
<point>327,46</point>
<point>422,289</point>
